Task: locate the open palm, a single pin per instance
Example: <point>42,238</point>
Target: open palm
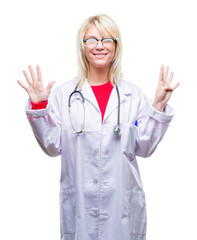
<point>36,91</point>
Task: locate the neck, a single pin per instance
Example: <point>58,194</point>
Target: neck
<point>98,76</point>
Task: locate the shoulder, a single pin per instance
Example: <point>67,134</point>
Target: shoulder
<point>66,87</point>
<point>128,87</point>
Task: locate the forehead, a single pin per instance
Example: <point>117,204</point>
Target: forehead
<point>93,31</point>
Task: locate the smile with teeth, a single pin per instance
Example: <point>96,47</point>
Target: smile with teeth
<point>99,55</point>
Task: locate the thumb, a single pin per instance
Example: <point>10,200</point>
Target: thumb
<point>175,86</point>
<point>50,85</point>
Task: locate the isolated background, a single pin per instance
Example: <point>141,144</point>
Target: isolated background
<point>44,32</point>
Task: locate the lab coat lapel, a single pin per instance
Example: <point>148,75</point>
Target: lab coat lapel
<point>113,100</point>
<point>89,94</point>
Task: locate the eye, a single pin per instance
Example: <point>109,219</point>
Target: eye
<point>108,40</point>
<point>91,40</point>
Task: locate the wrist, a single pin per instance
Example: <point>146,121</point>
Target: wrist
<point>159,106</point>
<point>39,105</point>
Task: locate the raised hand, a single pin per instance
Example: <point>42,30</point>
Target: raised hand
<point>36,91</point>
<point>164,90</point>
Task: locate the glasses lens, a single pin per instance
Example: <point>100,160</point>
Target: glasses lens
<point>91,40</point>
<point>107,40</point>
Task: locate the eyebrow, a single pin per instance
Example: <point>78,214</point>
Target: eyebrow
<point>96,37</point>
<point>91,37</point>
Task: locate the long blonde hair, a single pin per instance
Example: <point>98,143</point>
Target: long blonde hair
<point>102,23</point>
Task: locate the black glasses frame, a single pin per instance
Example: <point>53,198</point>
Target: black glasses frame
<point>85,40</point>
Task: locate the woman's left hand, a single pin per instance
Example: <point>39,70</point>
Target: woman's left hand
<point>164,91</point>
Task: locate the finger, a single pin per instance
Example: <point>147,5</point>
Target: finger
<point>27,77</point>
<point>161,73</point>
<point>166,73</point>
<point>33,75</point>
<point>170,78</point>
<point>22,85</point>
<point>50,85</point>
<point>175,86</point>
<point>39,74</point>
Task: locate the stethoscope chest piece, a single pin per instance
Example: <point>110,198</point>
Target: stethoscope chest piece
<point>117,130</point>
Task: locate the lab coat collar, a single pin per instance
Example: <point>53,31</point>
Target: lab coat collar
<point>112,104</point>
<point>113,100</point>
<point>88,94</point>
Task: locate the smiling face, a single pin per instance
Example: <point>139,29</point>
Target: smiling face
<point>99,55</point>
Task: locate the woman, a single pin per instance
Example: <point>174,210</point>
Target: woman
<point>98,130</point>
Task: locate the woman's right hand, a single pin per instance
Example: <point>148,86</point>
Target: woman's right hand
<point>36,91</point>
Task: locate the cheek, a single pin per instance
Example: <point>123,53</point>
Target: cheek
<point>112,55</point>
<point>88,54</point>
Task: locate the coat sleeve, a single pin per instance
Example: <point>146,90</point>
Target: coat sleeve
<point>46,125</point>
<point>152,125</point>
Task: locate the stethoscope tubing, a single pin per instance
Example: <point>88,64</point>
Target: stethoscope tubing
<point>116,128</point>
<point>118,117</point>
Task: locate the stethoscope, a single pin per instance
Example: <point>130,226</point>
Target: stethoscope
<point>116,128</point>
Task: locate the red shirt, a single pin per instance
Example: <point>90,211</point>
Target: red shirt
<point>101,92</point>
<point>40,105</point>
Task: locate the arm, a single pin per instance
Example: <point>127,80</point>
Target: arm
<point>153,119</point>
<point>45,123</point>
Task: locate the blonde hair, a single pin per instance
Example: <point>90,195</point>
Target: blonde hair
<point>103,23</point>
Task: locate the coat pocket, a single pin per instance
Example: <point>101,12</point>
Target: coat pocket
<point>129,141</point>
<point>137,214</point>
<point>68,214</point>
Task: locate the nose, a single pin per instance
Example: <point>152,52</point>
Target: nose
<point>99,45</point>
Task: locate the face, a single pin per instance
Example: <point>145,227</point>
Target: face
<point>99,55</point>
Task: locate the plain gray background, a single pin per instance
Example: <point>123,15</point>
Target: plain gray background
<point>44,32</point>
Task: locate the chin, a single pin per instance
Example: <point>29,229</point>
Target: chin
<point>101,65</point>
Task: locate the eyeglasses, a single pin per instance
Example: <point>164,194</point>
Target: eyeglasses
<point>94,41</point>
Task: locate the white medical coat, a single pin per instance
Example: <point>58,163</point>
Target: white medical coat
<point>101,193</point>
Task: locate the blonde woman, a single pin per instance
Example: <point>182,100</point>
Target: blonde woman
<point>99,123</point>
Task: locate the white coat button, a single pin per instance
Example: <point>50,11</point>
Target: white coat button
<point>96,151</point>
<point>95,181</point>
<point>107,153</point>
<point>95,213</point>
